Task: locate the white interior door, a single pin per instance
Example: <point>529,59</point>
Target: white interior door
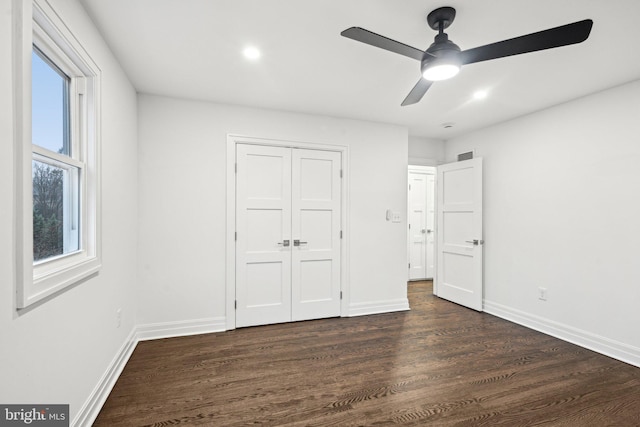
<point>263,245</point>
<point>316,200</point>
<point>421,222</point>
<point>459,215</point>
<point>288,216</point>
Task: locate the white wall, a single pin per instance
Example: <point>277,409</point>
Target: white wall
<point>182,176</point>
<point>425,151</point>
<point>58,351</point>
<point>562,209</point>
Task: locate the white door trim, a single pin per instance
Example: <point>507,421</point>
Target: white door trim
<point>230,270</point>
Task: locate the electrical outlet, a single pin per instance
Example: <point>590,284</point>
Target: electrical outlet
<point>542,294</point>
<point>395,217</point>
<point>118,317</point>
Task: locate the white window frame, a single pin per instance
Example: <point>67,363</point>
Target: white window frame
<point>37,24</point>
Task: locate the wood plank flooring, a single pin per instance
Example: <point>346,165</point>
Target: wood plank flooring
<point>438,365</point>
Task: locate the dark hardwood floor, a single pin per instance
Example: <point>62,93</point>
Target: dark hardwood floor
<point>437,365</point>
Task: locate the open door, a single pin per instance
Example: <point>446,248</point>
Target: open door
<point>459,233</point>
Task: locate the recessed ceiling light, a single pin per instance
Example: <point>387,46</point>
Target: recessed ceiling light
<point>480,94</point>
<point>252,53</point>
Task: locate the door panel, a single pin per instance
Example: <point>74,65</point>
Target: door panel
<point>317,226</point>
<point>264,284</point>
<point>459,273</point>
<point>431,226</point>
<point>457,227</point>
<point>314,275</point>
<point>417,226</point>
<point>264,173</point>
<point>263,273</point>
<point>316,178</point>
<point>263,229</point>
<point>316,203</point>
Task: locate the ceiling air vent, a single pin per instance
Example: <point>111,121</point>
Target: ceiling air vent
<point>465,156</point>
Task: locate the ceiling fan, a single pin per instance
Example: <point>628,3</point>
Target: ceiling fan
<point>443,59</point>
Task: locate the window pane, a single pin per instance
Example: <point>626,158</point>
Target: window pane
<point>55,210</point>
<point>49,105</point>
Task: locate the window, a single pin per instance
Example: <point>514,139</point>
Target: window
<point>55,173</point>
<point>57,143</point>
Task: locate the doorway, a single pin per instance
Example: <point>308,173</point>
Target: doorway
<point>421,222</point>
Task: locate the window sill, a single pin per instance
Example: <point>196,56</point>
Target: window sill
<point>56,280</point>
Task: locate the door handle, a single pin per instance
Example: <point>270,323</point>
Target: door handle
<point>297,242</point>
<point>475,242</point>
<point>284,243</point>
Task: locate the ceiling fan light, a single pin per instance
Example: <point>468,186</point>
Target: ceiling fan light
<point>442,60</point>
<point>439,72</point>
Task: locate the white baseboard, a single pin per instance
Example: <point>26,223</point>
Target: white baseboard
<point>608,347</point>
<point>377,307</point>
<point>90,410</point>
<point>155,331</point>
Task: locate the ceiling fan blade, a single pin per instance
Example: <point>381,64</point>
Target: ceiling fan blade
<point>373,39</point>
<point>417,92</point>
<point>564,35</point>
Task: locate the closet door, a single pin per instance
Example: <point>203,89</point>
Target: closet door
<point>421,212</point>
<point>315,254</point>
<point>288,209</point>
<point>263,245</point>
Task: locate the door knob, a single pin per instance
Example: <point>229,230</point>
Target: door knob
<point>297,242</point>
<point>475,242</point>
<point>284,243</point>
<point>423,231</point>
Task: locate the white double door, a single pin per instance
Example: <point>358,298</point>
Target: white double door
<point>421,222</point>
<point>288,216</point>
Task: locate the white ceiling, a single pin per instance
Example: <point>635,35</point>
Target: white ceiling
<point>192,49</point>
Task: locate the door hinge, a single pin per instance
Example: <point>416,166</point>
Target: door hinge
<point>340,173</point>
<point>341,234</point>
<point>235,304</point>
<point>409,265</point>
<point>409,187</point>
<point>340,294</point>
<point>236,167</point>
<point>235,236</point>
<point>409,226</point>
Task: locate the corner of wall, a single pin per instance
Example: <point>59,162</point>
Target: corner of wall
<point>92,406</point>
